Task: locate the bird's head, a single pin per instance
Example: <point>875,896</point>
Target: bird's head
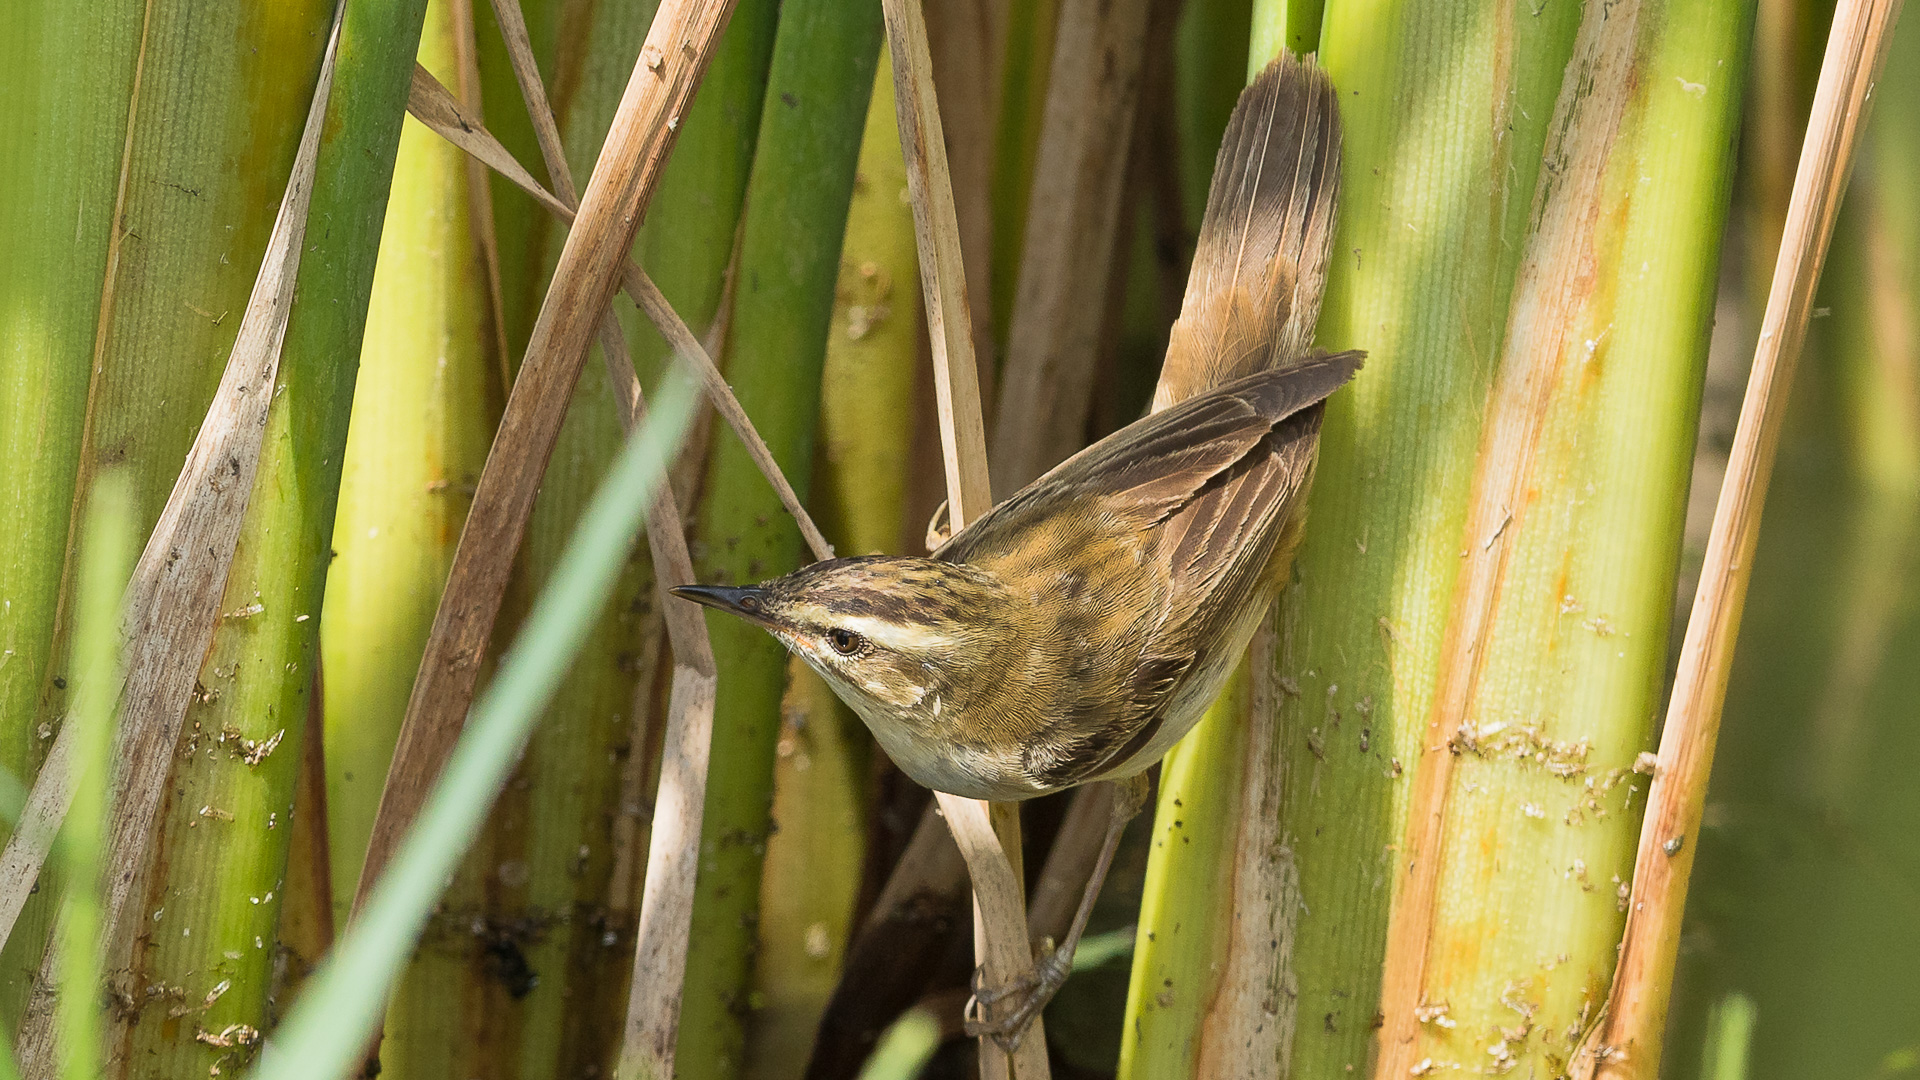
<point>904,641</point>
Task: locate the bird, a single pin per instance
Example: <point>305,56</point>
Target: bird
<point>1077,630</point>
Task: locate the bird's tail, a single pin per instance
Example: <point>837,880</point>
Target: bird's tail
<point>1254,292</point>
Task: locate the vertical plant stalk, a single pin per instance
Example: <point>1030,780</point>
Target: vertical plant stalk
<point>1548,296</point>
<point>988,839</point>
<point>1524,799</point>
<point>818,92</point>
<point>817,858</point>
<point>1251,1021</point>
<point>426,395</point>
<point>1627,1042</point>
<point>679,45</point>
<point>1059,309</point>
<point>174,595</point>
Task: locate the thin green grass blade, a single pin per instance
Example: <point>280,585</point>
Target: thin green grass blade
<point>323,1037</point>
<point>106,554</point>
<point>1729,1037</point>
<point>905,1049</point>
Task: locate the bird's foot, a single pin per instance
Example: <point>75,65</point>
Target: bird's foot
<point>1005,1012</point>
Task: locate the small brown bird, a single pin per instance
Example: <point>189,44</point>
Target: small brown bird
<point>1080,628</point>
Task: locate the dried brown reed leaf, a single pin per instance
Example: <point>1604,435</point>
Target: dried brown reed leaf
<point>1626,1042</point>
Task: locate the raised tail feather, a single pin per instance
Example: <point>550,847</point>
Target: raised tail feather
<point>1254,292</point>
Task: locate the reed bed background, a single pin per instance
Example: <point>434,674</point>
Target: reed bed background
<point>281,343</point>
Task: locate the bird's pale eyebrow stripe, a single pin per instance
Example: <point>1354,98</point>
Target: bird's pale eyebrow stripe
<point>897,635</point>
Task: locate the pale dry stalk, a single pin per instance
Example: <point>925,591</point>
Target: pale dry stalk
<point>1073,219</point>
<point>989,838</point>
<point>1250,1022</point>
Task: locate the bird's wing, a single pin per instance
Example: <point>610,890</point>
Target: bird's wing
<point>1143,474</point>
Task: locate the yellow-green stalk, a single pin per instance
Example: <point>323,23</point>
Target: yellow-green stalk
<point>813,868</point>
<point>818,90</point>
<point>106,559</point>
<point>1542,819</point>
<point>425,404</point>
<point>425,401</point>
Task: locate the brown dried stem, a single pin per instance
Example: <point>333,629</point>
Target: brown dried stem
<point>1626,1043</point>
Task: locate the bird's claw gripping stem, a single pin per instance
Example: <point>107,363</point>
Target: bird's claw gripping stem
<point>1030,993</point>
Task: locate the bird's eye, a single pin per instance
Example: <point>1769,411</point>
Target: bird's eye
<point>845,642</point>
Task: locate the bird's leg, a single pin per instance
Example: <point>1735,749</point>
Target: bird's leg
<point>1032,992</point>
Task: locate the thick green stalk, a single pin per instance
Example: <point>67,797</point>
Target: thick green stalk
<point>1446,114</point>
<point>63,115</point>
<point>65,74</point>
<point>120,315</point>
<point>818,91</point>
<point>1445,111</point>
<point>424,401</point>
<point>425,404</point>
<point>1803,884</point>
<point>213,898</point>
<point>1541,817</point>
<point>814,858</point>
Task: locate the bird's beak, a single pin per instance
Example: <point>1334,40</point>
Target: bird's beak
<point>747,602</point>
